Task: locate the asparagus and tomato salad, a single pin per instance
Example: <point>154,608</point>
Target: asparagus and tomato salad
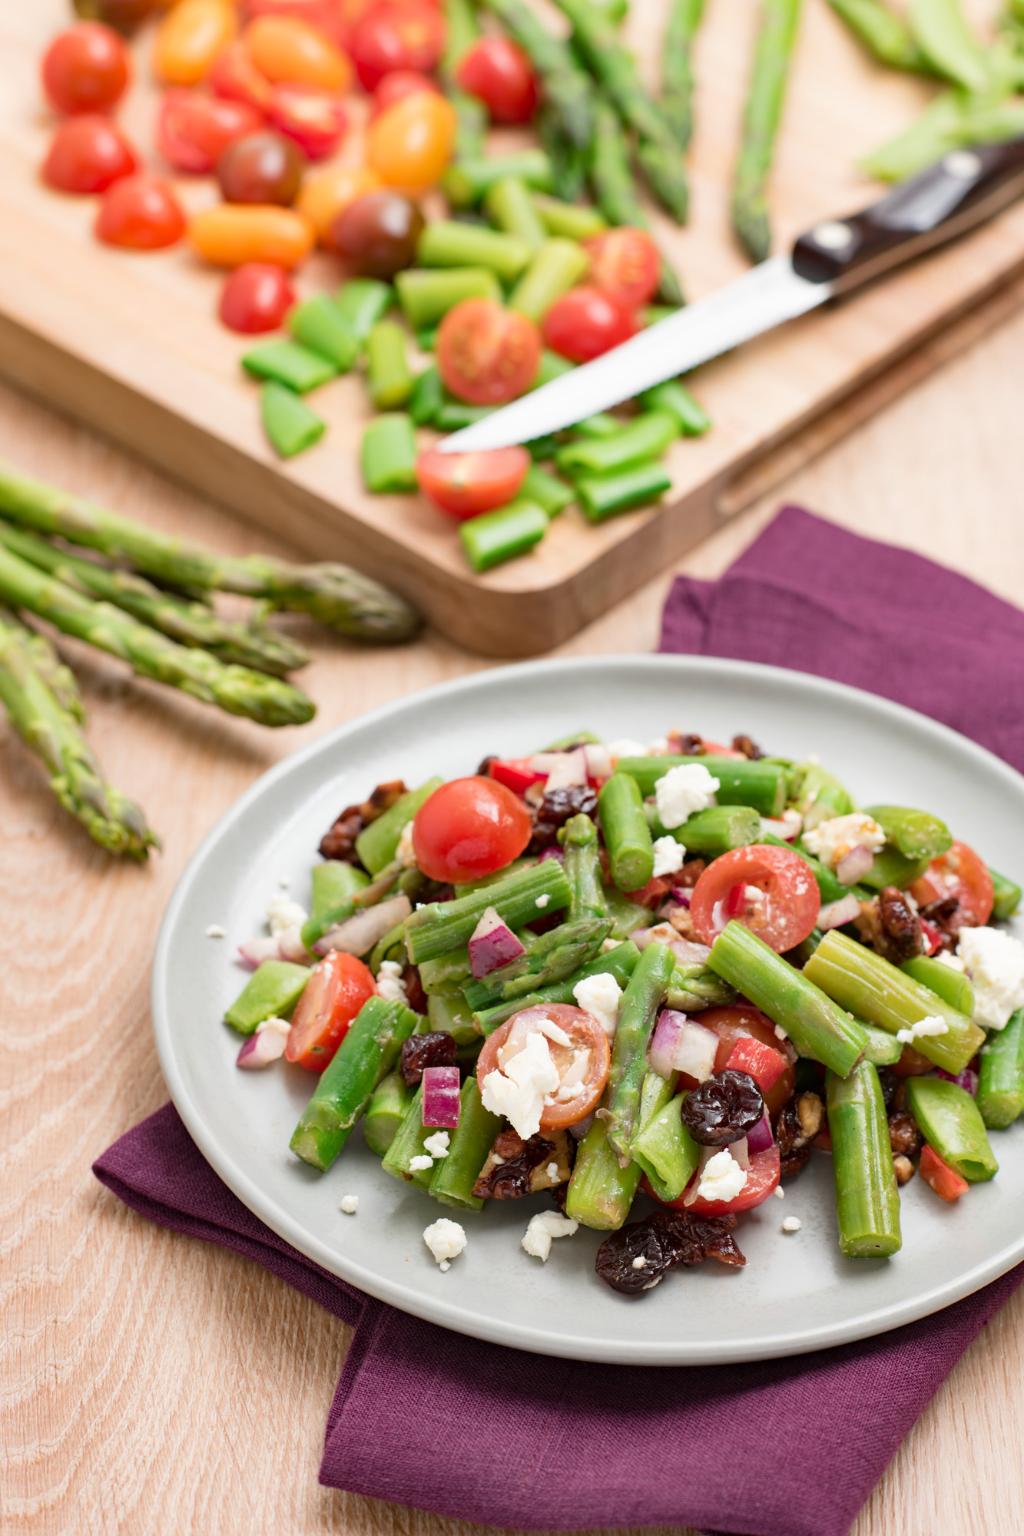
<point>640,986</point>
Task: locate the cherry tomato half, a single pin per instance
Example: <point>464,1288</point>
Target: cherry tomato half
<point>140,213</point>
<point>396,86</point>
<point>235,233</point>
<point>235,77</point>
<point>741,1022</point>
<point>959,872</point>
<point>289,51</point>
<point>316,122</point>
<point>87,154</point>
<point>487,354</point>
<point>586,323</point>
<point>189,39</point>
<point>86,69</point>
<point>938,1175</point>
<point>784,912</point>
<point>466,484</point>
<point>585,1035</point>
<point>377,234</point>
<point>498,71</point>
<point>409,146</point>
<point>391,35</point>
<point>336,990</point>
<point>262,167</point>
<point>327,192</point>
<point>255,298</point>
<point>763,1177</point>
<point>625,263</point>
<point>192,131</point>
<point>469,828</point>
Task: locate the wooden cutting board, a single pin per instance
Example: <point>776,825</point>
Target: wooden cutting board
<point>130,345</point>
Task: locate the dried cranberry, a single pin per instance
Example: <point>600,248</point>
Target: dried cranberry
<point>436,1049</point>
<point>684,744</point>
<point>748,746</point>
<point>506,1175</point>
<point>723,1109</point>
<point>414,993</point>
<point>661,1242</point>
<point>339,841</point>
<point>555,810</point>
<point>904,1136</point>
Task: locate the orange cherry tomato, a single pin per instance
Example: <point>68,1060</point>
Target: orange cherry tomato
<point>336,990</point>
<point>326,193</point>
<point>140,213</point>
<point>291,52</point>
<point>234,233</point>
<point>409,146</point>
<point>585,1036</point>
<point>189,39</point>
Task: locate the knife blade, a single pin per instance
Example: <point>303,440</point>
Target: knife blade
<point>837,256</point>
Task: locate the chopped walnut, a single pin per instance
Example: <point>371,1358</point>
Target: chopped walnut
<point>339,841</point>
<point>798,1124</point>
<point>683,744</point>
<point>904,1136</point>
<point>890,924</point>
<point>903,1169</point>
<point>748,746</point>
<point>515,1167</point>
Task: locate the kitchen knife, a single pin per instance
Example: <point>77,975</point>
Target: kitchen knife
<point>834,258</point>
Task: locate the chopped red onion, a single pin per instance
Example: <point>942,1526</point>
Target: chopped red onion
<point>836,913</point>
<point>290,946</point>
<point>441,1097</point>
<point>253,952</point>
<point>679,896</point>
<point>359,933</point>
<point>855,864</point>
<point>566,769</point>
<point>599,760</point>
<point>492,945</point>
<point>706,1154</point>
<point>740,1151</point>
<point>681,1045</point>
<point>261,1049</point>
<point>760,1138</point>
<point>967,1080</point>
<point>668,1033</point>
<point>552,853</point>
<point>686,951</point>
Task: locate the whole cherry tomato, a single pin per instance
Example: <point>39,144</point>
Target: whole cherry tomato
<point>336,990</point>
<point>233,234</point>
<point>396,86</point>
<point>466,484</point>
<point>235,77</point>
<point>626,264</point>
<point>87,154</point>
<point>140,213</point>
<point>586,323</point>
<point>778,896</point>
<point>291,52</point>
<point>315,121</point>
<point>192,131</point>
<point>189,39</point>
<point>255,298</point>
<point>487,354</point>
<point>325,193</point>
<point>392,35</point>
<point>263,167</point>
<point>377,234</point>
<point>86,69</point>
<point>469,828</point>
<point>498,71</point>
<point>409,146</point>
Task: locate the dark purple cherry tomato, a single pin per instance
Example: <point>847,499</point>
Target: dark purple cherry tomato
<point>262,167</point>
<point>377,234</point>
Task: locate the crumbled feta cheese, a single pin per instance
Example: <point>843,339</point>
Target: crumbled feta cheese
<point>609,944</point>
<point>552,1171</point>
<point>542,901</point>
<point>722,1177</point>
<point>668,855</point>
<point>536,1240</point>
<point>953,961</point>
<point>639,1262</point>
<point>438,1144</point>
<point>780,1033</point>
<point>573,1078</point>
<point>215,931</point>
<point>283,913</point>
<point>420,1163</point>
<point>832,840</point>
<point>627,747</point>
<point>405,853</point>
<point>791,1224</point>
<point>685,789</point>
<point>517,1091</point>
<point>553,1031</point>
<point>445,1239</point>
<point>349,1204</point>
<point>659,747</point>
<point>274,1026</point>
<point>994,961</point>
<point>600,996</point>
<point>780,1193</point>
<point>932,1025</point>
<point>390,985</point>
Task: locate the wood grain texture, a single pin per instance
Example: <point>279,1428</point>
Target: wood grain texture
<point>168,383</point>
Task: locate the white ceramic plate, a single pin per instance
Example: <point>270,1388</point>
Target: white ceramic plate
<point>796,1293</point>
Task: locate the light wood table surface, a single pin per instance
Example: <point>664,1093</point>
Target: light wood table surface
<point>152,1384</point>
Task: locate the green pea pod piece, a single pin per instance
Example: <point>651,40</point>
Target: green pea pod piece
<point>951,1123</point>
<point>951,985</point>
<point>666,1151</point>
<point>914,834</point>
<point>270,993</point>
<point>1001,1084</point>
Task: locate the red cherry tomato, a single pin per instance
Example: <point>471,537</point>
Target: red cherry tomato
<point>938,1175</point>
<point>391,35</point>
<point>235,77</point>
<point>585,1034</point>
<point>192,131</point>
<point>625,264</point>
<point>86,69</point>
<point>140,213</point>
<point>586,323</point>
<point>761,1062</point>
<point>396,86</point>
<point>782,915</point>
<point>316,122</point>
<point>516,773</point>
<point>960,873</point>
<point>763,1177</point>
<point>87,154</point>
<point>466,484</point>
<point>256,297</point>
<point>498,71</point>
<point>743,1022</point>
<point>487,354</point>
<point>469,828</point>
<point>336,990</point>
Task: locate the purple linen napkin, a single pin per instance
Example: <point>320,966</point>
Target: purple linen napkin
<point>571,1446</point>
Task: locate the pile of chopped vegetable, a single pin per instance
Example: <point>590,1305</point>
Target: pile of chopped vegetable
<point>609,970</point>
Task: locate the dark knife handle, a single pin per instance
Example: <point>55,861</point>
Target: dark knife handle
<point>961,191</point>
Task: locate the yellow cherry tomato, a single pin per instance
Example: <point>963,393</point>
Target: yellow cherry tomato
<point>325,193</point>
<point>189,39</point>
<point>234,233</point>
<point>409,146</point>
<point>288,50</point>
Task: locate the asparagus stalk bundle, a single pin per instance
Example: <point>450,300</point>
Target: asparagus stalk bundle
<point>761,118</point>
<point>43,706</point>
<point>567,89</point>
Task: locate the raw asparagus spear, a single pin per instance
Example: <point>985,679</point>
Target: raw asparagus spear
<point>568,160</point>
<point>454,1176</point>
<point>441,926</point>
<point>566,87</point>
<point>761,118</point>
<point>461,32</point>
<point>238,690</point>
<point>867,1200</point>
<point>582,865</point>
<point>601,1189</point>
<point>619,962</point>
<point>684,18</point>
<point>883,32</point>
<point>52,731</point>
<point>611,177</point>
<point>58,677</point>
<point>189,623</point>
<point>640,1003</point>
<point>333,594</point>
